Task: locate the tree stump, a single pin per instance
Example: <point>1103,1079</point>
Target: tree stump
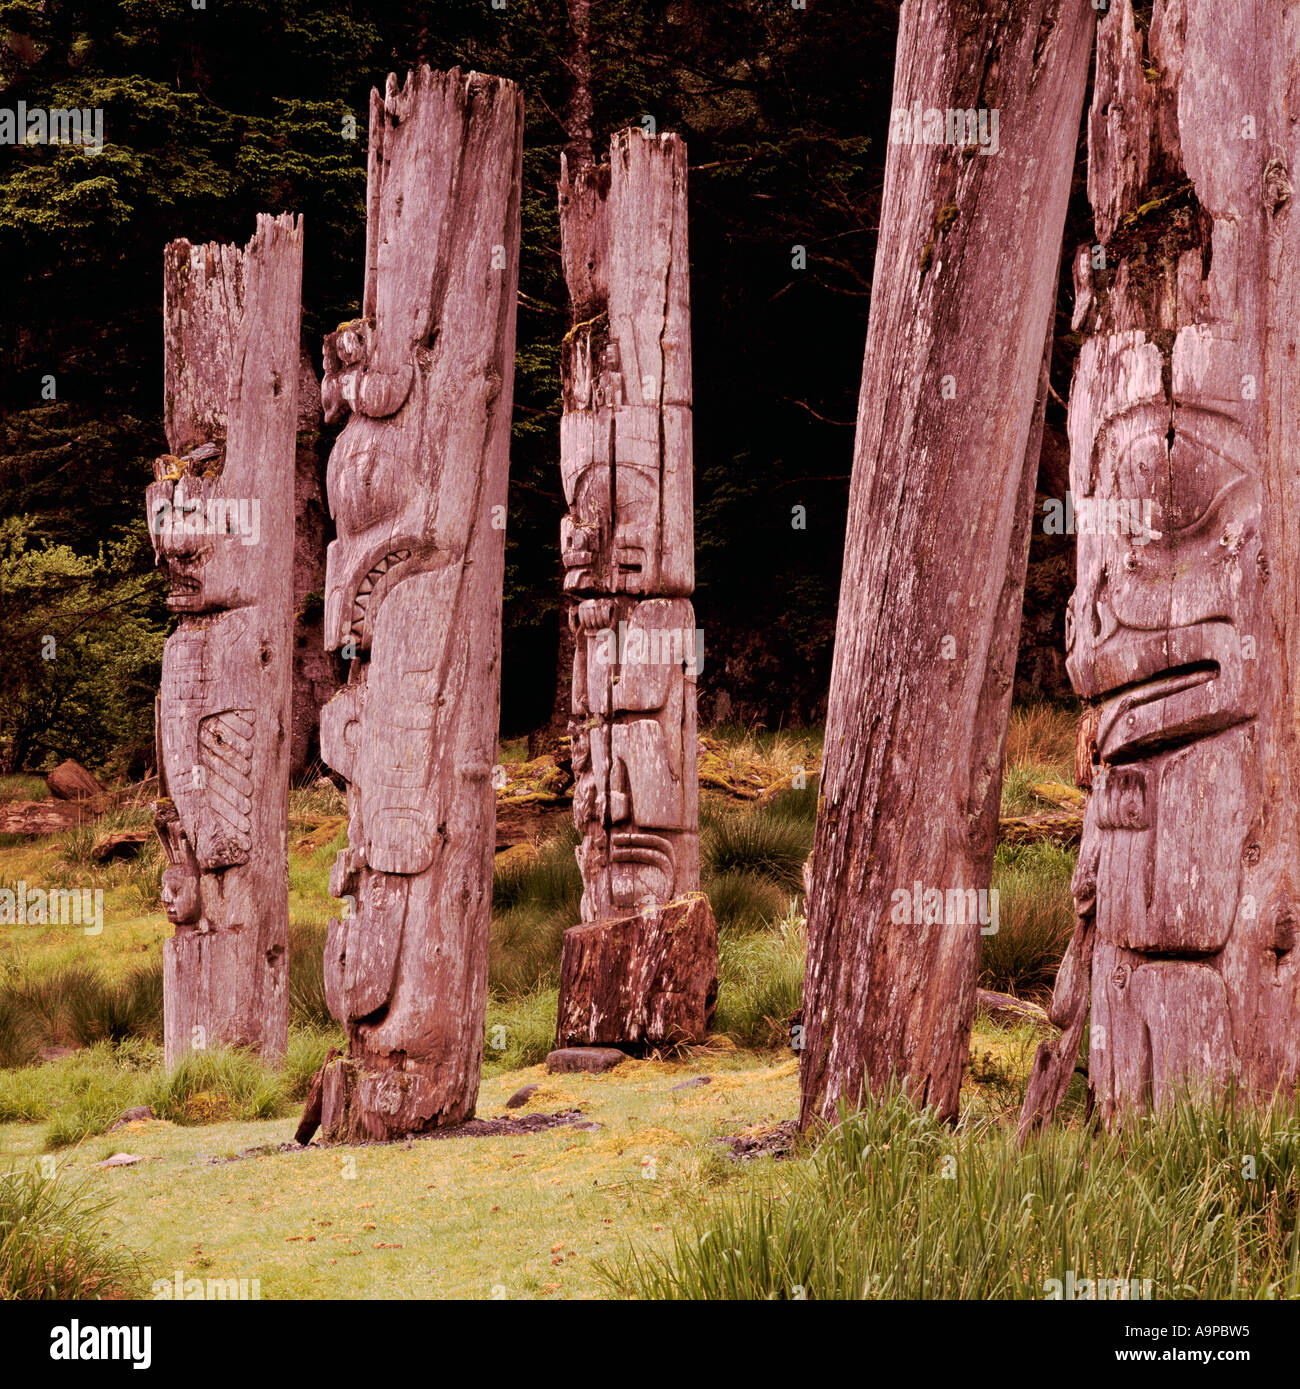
<point>940,509</point>
<point>221,518</point>
<point>417,489</point>
<point>627,543</point>
<point>647,979</point>
<point>1183,632</point>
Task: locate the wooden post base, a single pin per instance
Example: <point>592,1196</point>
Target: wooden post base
<point>649,978</point>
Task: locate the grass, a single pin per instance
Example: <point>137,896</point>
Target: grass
<point>894,1204</point>
<point>760,984</point>
<point>51,1246</point>
<point>765,843</point>
<point>23,786</point>
<point>1035,919</point>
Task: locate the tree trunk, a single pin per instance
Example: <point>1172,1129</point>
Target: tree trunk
<point>417,489</point>
<point>221,516</point>
<point>1183,629</point>
<point>976,184</point>
<point>628,539</point>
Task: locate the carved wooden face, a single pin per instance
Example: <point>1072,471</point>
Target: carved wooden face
<point>636,698</point>
<point>207,542</point>
<point>1163,633</point>
<point>611,540</point>
<point>1163,625</point>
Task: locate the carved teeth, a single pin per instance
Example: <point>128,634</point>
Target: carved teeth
<point>361,602</point>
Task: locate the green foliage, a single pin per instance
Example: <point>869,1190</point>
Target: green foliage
<point>215,1085</point>
<point>85,649</point>
<point>895,1204</point>
<point>248,108</point>
<point>132,1008</point>
<point>528,1023</point>
<point>773,846</point>
<point>51,1245</point>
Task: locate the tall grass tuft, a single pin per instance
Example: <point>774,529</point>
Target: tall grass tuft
<point>760,983</point>
<point>104,1012</point>
<point>769,844</point>
<point>534,900</point>
<point>895,1204</point>
<point>221,1084</point>
<point>51,1246</point>
<point>307,1005</point>
<point>1035,919</point>
<point>19,1035</point>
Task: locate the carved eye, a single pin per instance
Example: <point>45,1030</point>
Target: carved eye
<point>1203,476</point>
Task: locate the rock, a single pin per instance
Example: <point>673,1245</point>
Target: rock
<point>120,1160</point>
<point>55,1053</point>
<point>137,1115</point>
<point>584,1059</point>
<point>650,977</point>
<point>521,1097</point>
<point>694,1083</point>
<point>123,844</point>
<point>70,781</point>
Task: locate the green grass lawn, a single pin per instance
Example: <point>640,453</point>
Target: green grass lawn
<point>534,1215</point>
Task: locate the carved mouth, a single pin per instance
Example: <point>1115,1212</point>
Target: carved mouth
<point>1120,704</point>
<point>361,602</point>
<point>634,847</point>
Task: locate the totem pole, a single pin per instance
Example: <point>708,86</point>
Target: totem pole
<point>643,966</point>
<point>1182,632</point>
<point>221,519</point>
<point>417,489</point>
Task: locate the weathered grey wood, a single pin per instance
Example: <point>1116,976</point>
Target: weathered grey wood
<point>936,544</point>
<point>1183,629</point>
<point>649,978</point>
<point>221,516</point>
<point>417,489</point>
<point>628,538</point>
<point>628,548</point>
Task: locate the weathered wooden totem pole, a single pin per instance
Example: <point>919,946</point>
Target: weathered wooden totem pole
<point>643,966</point>
<point>221,518</point>
<point>1183,632</point>
<point>987,102</point>
<point>417,489</point>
